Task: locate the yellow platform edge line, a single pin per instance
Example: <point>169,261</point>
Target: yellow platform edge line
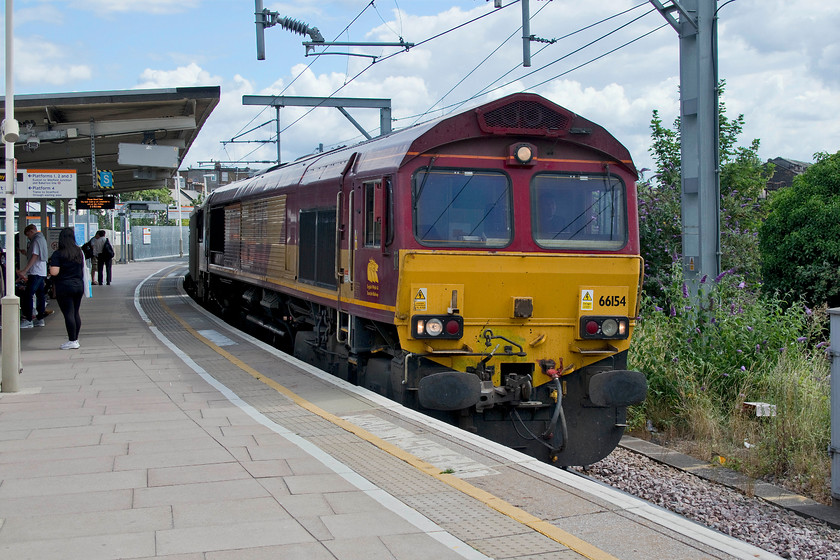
<point>517,514</point>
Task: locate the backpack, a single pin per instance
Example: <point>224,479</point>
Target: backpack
<point>87,250</point>
<point>107,250</point>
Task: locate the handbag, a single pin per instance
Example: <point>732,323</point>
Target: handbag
<point>86,279</point>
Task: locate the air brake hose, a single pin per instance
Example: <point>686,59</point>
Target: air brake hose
<point>558,414</point>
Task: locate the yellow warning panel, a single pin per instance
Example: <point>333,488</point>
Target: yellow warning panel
<point>429,298</point>
<point>421,299</point>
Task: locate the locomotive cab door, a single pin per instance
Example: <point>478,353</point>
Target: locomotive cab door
<point>372,233</point>
<point>345,242</point>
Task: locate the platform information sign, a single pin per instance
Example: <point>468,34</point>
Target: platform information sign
<point>50,184</point>
<point>96,202</point>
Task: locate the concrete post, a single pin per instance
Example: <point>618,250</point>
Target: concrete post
<point>11,361</point>
<point>834,314</point>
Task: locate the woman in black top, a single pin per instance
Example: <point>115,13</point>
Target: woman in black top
<point>67,267</point>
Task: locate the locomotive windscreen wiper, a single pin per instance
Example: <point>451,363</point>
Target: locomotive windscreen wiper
<point>423,182</point>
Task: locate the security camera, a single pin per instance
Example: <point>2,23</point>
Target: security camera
<point>33,143</point>
<point>11,130</point>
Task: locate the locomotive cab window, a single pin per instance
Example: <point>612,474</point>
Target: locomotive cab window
<point>579,211</point>
<point>373,213</point>
<point>462,208</point>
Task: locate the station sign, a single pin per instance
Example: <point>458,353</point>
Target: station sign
<point>185,212</point>
<point>47,184</point>
<point>96,203</point>
<point>106,179</point>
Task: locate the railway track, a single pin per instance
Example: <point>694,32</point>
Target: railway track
<point>718,506</point>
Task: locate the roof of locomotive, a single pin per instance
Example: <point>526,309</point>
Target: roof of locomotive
<point>520,114</point>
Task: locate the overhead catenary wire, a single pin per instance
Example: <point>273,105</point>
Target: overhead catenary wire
<point>566,36</point>
<point>477,66</point>
<point>293,80</point>
<point>577,50</point>
<point>609,52</point>
<point>347,82</point>
<point>548,41</point>
<point>488,89</point>
<point>365,69</point>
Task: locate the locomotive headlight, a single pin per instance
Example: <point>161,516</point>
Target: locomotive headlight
<point>523,153</point>
<point>609,327</point>
<point>449,327</point>
<point>434,327</point>
<point>604,328</point>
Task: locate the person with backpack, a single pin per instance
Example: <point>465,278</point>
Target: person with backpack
<point>103,253</point>
<point>34,271</point>
<point>90,248</point>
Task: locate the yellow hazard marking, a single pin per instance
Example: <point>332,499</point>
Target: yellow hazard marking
<point>587,300</point>
<point>421,299</point>
<point>556,534</point>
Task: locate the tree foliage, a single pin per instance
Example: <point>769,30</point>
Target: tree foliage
<point>800,240</point>
<point>742,181</point>
<point>158,195</point>
<point>162,195</point>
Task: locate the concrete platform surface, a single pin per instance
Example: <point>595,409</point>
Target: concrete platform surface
<point>168,435</point>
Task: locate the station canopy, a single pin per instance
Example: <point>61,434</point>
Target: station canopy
<point>139,136</point>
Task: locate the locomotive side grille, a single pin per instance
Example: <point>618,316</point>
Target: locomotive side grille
<point>233,221</point>
<point>263,239</point>
<point>527,117</point>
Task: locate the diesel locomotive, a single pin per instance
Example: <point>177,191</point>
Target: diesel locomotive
<point>483,268</point>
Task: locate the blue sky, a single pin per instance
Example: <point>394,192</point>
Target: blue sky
<point>780,59</point>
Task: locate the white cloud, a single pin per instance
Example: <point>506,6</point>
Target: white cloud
<point>777,57</point>
<point>183,76</point>
<point>137,6</point>
<point>45,64</point>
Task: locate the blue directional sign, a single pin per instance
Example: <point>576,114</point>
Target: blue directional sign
<point>106,179</point>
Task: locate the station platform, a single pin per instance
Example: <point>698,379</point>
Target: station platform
<point>169,434</point>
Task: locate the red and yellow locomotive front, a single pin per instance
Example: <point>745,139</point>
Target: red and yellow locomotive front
<point>518,279</point>
<point>484,268</point>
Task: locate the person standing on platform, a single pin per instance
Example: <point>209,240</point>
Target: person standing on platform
<point>105,256</point>
<point>96,243</point>
<point>35,274</point>
<point>67,267</point>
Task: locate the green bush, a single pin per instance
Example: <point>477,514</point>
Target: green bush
<point>704,360</point>
<point>800,240</point>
